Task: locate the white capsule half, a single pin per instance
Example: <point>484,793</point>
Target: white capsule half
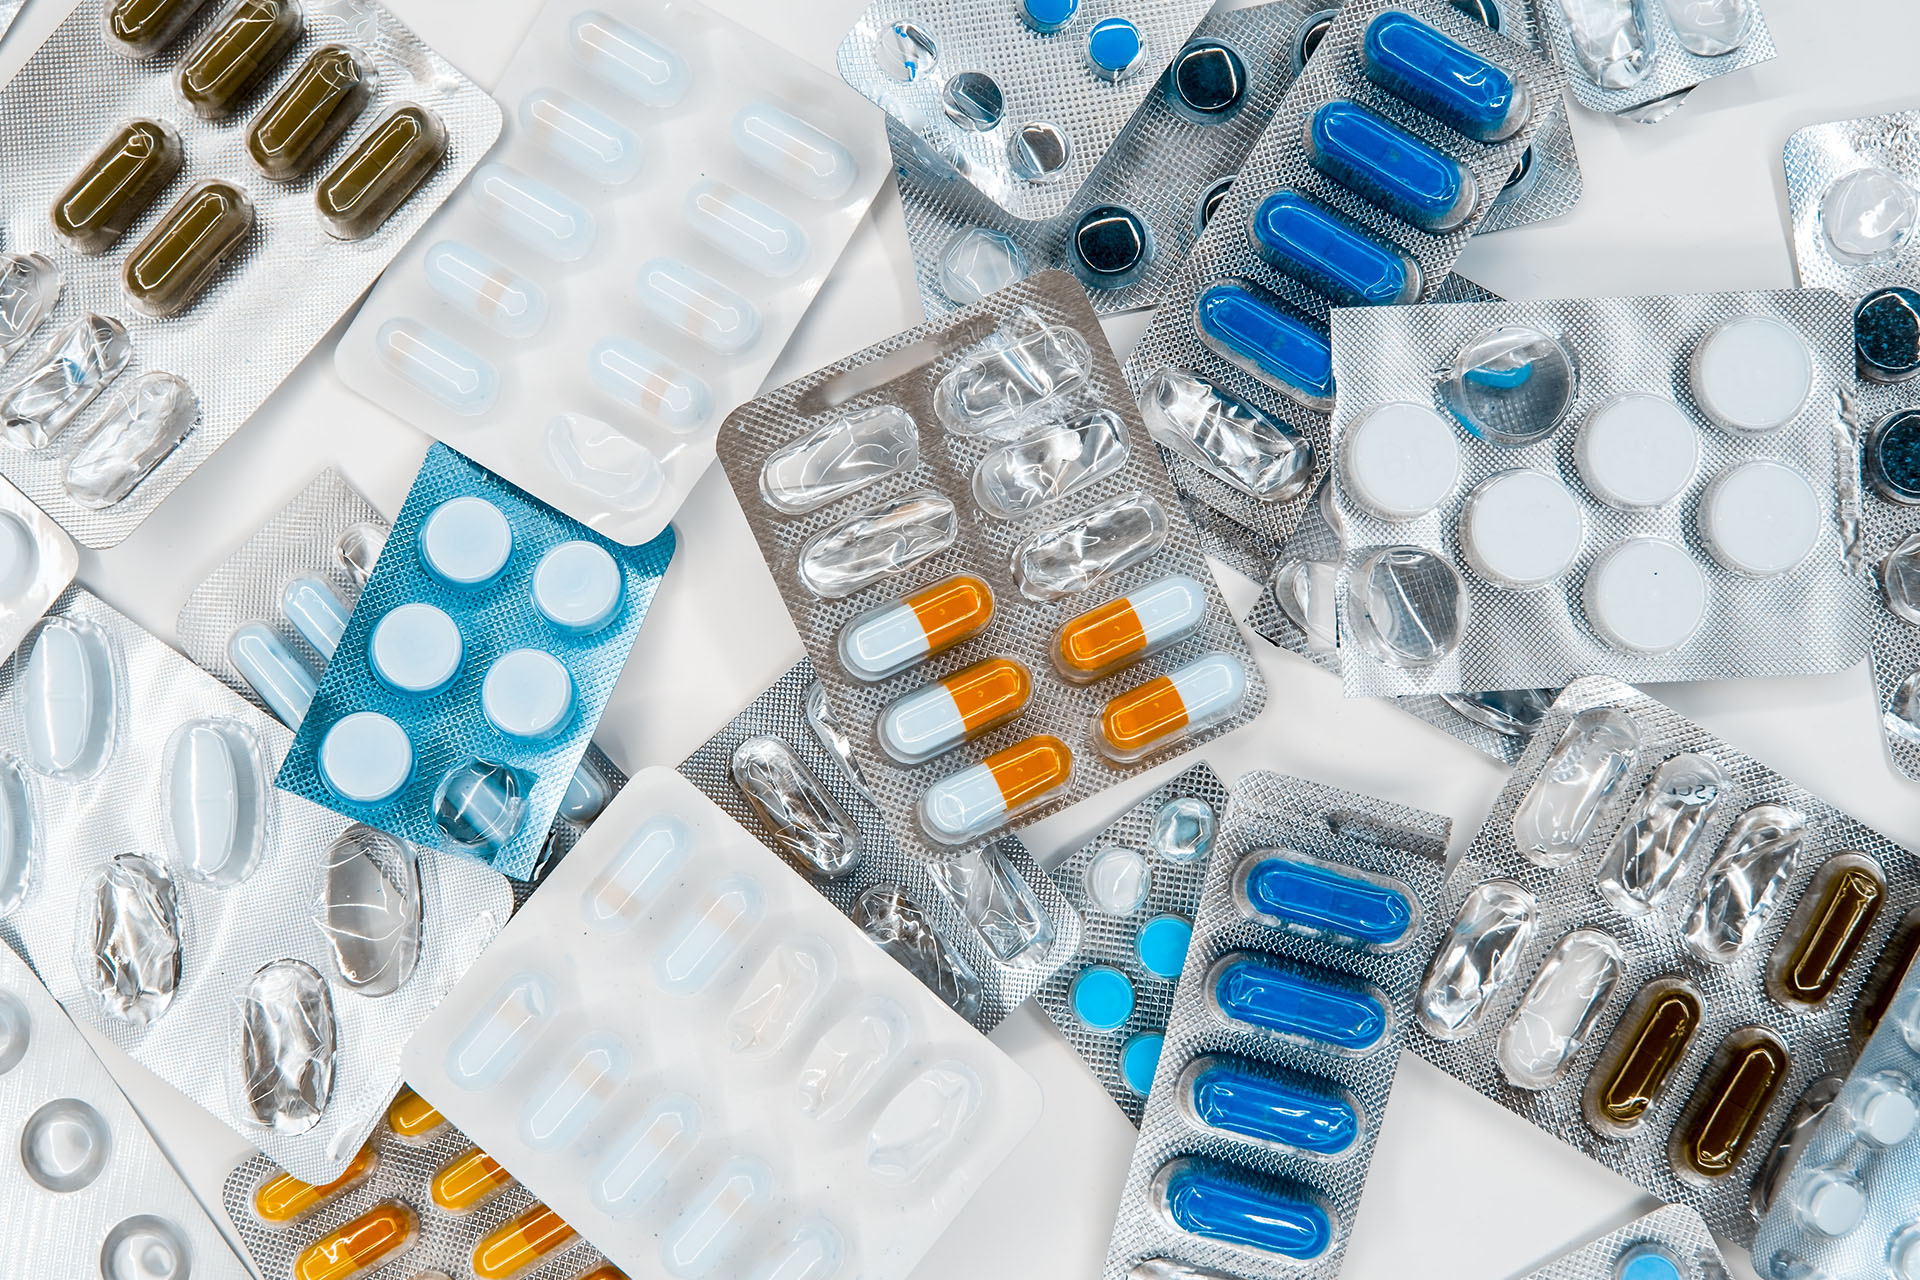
<point>544,219</point>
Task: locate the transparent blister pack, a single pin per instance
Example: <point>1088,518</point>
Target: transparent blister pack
<point>672,191</point>
<point>983,930</point>
<point>88,1191</point>
<point>1137,887</point>
<point>1660,950</point>
<point>261,955</point>
<point>1640,487</point>
<point>988,566</point>
<point>183,232</point>
<point>1639,58</point>
<point>703,1066</point>
<point>1284,1037</point>
<point>473,670</point>
<point>37,563</point>
<point>1671,1243</point>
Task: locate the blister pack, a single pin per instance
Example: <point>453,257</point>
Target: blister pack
<point>988,566</point>
<point>1659,947</point>
<point>1284,1036</point>
<point>672,191</point>
<point>717,1070</point>
<point>1640,487</point>
<point>1639,58</point>
<point>473,670</point>
<point>37,563</point>
<point>88,1191</point>
<point>1137,887</point>
<point>183,232</point>
<point>1547,181</point>
<point>1671,1243</point>
<point>982,929</point>
<point>258,953</point>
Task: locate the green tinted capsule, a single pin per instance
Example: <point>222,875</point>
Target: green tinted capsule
<point>141,28</point>
<point>182,253</point>
<point>381,171</point>
<point>240,50</point>
<point>122,180</point>
<point>310,112</point>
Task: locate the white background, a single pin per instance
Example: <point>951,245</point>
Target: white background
<point>1459,1188</point>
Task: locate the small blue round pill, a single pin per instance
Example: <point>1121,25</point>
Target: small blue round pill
<point>1162,945</point>
<point>466,542</point>
<point>1101,997</point>
<point>1647,1261</point>
<point>1281,350</point>
<point>1048,16</point>
<point>1139,1059</point>
<point>1114,48</point>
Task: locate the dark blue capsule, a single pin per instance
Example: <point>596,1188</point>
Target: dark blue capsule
<point>1369,154</point>
<point>1242,1208</point>
<point>1886,334</point>
<point>1110,248</point>
<point>1445,79</point>
<point>1315,245</point>
<point>1271,1105</point>
<point>1281,350</point>
<point>1299,1002</point>
<point>1893,457</point>
<point>1311,897</point>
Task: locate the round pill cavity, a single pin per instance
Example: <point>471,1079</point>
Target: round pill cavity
<point>1139,1059</point>
<point>1110,248</point>
<point>1511,385</point>
<point>1215,196</point>
<point>65,1144</point>
<point>18,558</point>
<point>1307,38</point>
<point>1162,946</point>
<point>1521,529</point>
<point>1760,518</point>
<point>1039,150</point>
<point>145,1247</point>
<point>416,648</point>
<point>1183,829</point>
<point>1893,457</point>
<point>576,586</point>
<point>527,694</point>
<point>1830,1203</point>
<point>1886,334</point>
<point>1102,997</point>
<point>972,100</point>
<point>1645,595</point>
<point>1867,216</point>
<point>1885,1109</point>
<point>977,262</point>
<point>1117,880</point>
<point>1206,81</point>
<point>1048,16</point>
<point>1114,48</point>
<point>1637,450</point>
<point>1647,1261</point>
<point>366,757</point>
<point>1751,374</point>
<point>1401,461</point>
<point>465,542</point>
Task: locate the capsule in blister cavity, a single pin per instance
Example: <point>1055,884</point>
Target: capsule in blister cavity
<point>468,1181</point>
<point>573,1092</point>
<point>1317,1007</point>
<point>77,363</point>
<point>361,1245</point>
<point>449,372</point>
<point>1475,959</point>
<point>840,457</point>
<point>387,165</point>
<point>713,315</point>
<point>1272,1106</point>
<point>1835,915</point>
<point>68,699</point>
<point>849,1058</point>
<point>643,378</point>
<point>781,994</point>
<point>1727,1104</point>
<point>138,28</point>
<point>709,1228</point>
<point>1890,971</point>
<point>1511,386</point>
<point>1250,331</point>
<point>975,800</point>
<point>793,151</point>
<point>1108,637</point>
<point>1170,708</point>
<point>178,259</point>
<point>636,65</point>
<point>582,136</point>
<point>287,1043</point>
<point>1651,852</point>
<point>1086,549</point>
<point>16,843</point>
<point>708,934</point>
<point>500,1032</point>
<point>1265,459</point>
<point>1789,1143</point>
<point>1306,895</point>
<point>488,290</point>
<point>309,604</point>
<point>215,785</point>
<point>927,722</point>
<point>921,1122</point>
<point>898,926</point>
<point>997,388</point>
<point>1755,862</point>
<point>1407,606</point>
<point>240,51</point>
<point>1595,751</point>
<point>994,902</point>
<point>635,875</point>
<point>1610,40</point>
<point>929,622</point>
<point>638,1162</point>
<point>369,910</point>
<point>30,287</point>
<point>1393,168</point>
<point>1448,81</point>
<point>1242,1209</point>
<point>1647,1043</point>
<point>1554,1018</point>
<point>1330,253</point>
<point>134,434</point>
<point>283,1197</point>
<point>519,1243</point>
<point>806,825</point>
<point>272,670</point>
<point>751,232</point>
<point>317,104</point>
<point>1017,478</point>
<point>877,543</point>
<point>411,1117</point>
<point>812,1251</point>
<point>130,939</point>
<point>117,185</point>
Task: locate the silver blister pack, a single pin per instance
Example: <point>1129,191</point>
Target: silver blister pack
<point>260,954</point>
<point>983,931</point>
<point>1671,1243</point>
<point>1659,948</point>
<point>1319,899</point>
<point>1547,181</point>
<point>108,410</point>
<point>1640,57</point>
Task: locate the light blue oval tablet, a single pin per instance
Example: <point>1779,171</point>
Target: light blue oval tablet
<point>1162,946</point>
<point>274,671</point>
<point>315,612</point>
<point>1102,997</point>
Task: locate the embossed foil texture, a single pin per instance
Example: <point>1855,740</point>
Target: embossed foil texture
<point>1639,57</point>
<point>1674,1232</point>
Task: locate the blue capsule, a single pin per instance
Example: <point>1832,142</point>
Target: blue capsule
<point>1299,1002</point>
<point>1315,245</point>
<point>273,671</point>
<point>1448,81</point>
<point>1241,1208</point>
<point>1370,154</point>
<point>1281,350</point>
<point>1269,1105</point>
<point>1308,896</point>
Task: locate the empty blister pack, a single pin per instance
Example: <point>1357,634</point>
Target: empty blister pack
<point>185,228</point>
<point>716,1073</point>
<point>1660,949</point>
<point>988,566</point>
<point>1284,1037</point>
<point>88,1191</point>
<point>469,678</point>
<point>1137,887</point>
<point>672,191</point>
<point>1641,487</point>
<point>260,954</point>
<point>1640,57</point>
<point>1671,1243</point>
<point>982,929</point>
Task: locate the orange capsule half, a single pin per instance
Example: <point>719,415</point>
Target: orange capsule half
<point>1102,640</point>
<point>519,1243</point>
<point>376,1237</point>
<point>411,1116</point>
<point>467,1181</point>
<point>975,800</point>
<point>605,1271</point>
<point>283,1197</point>
<point>1168,708</point>
<point>930,621</point>
<point>920,725</point>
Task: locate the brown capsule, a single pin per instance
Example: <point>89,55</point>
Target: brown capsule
<point>185,249</point>
<point>310,112</point>
<point>384,167</point>
<point>1728,1104</point>
<point>1647,1044</point>
<point>122,180</point>
<point>240,50</point>
<point>141,28</point>
<point>1883,984</point>
<point>1832,920</point>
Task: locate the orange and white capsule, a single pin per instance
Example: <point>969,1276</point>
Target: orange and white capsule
<point>974,801</point>
<point>412,1117</point>
<point>468,1181</point>
<point>520,1243</point>
<point>1167,708</point>
<point>371,1240</point>
<point>930,621</point>
<point>920,725</point>
<point>283,1197</point>
<point>1102,640</point>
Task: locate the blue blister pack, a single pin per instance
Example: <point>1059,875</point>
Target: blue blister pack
<point>473,671</point>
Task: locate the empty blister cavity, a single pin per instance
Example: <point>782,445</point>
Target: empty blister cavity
<point>751,232</point>
<point>527,693</point>
<point>635,64</point>
<point>1319,1008</point>
<point>1647,1043</point>
<point>369,910</point>
<point>1521,529</point>
<point>781,994</point>
<point>271,669</point>
<point>1611,41</point>
<point>543,219</point>
<point>1400,461</point>
<point>1039,151</point>
<point>478,804</point>
<point>1637,451</point>
<point>1645,596</point>
<point>996,903</point>
<point>638,1163</point>
<point>1001,385</point>
<point>893,637</point>
<point>1243,1209</point>
<point>973,100</point>
<point>1448,81</point>
<point>1727,1105</point>
<point>979,261</point>
<point>1751,373</point>
<point>486,289</point>
<point>455,375</point>
<point>138,429</point>
<point>1086,549</point>
<point>978,799</point>
<point>1760,518</point>
<point>1511,713</point>
<point>320,616</point>
<point>930,721</point>
<point>1556,1015</point>
<point>1511,386</point>
<point>708,935</point>
<point>840,457</point>
<point>1476,959</point>
<point>581,136</point>
<point>287,1046</point>
<point>877,543</point>
<point>1552,820</point>
<point>814,1251</point>
<point>565,1101</point>
<point>1835,914</point>
<point>709,1229</point>
<point>802,819</point>
<point>1654,849</point>
<point>1117,880</point>
<point>65,1145</point>
<point>612,466</point>
<point>215,783</point>
<point>636,875</point>
<point>1017,478</point>
<point>1317,899</point>
<point>713,315</point>
<point>501,1032</point>
<point>30,288</point>
<point>1101,641</point>
<point>1710,28</point>
<point>75,366</point>
<point>1249,330</point>
<point>1410,178</point>
<point>898,926</point>
<point>69,699</point>
<point>129,952</point>
<point>1330,253</point>
<point>1268,460</point>
<point>646,380</point>
<point>921,1122</point>
<point>1735,897</point>
<point>1406,606</point>
<point>793,151</point>
<point>1183,830</point>
<point>1867,216</point>
<point>849,1058</point>
<point>1273,1107</point>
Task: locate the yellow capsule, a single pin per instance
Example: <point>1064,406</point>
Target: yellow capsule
<point>605,1271</point>
<point>240,50</point>
<point>519,1243</point>
<point>1648,1042</point>
<point>467,1181</point>
<point>283,1197</point>
<point>1833,919</point>
<point>1728,1104</point>
<point>411,1116</point>
<point>376,1237</point>
<point>138,28</point>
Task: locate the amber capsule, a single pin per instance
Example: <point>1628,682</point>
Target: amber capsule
<point>376,1237</point>
<point>920,725</point>
<point>605,1271</point>
<point>1105,638</point>
<point>187,247</point>
<point>1728,1104</point>
<point>283,1197</point>
<point>929,622</point>
<point>411,1116</point>
<point>467,1181</point>
<point>1896,962</point>
<point>310,112</point>
<point>114,188</point>
<point>519,1243</point>
<point>1166,709</point>
<point>240,50</point>
<point>1832,920</point>
<point>391,159</point>
<point>141,28</point>
<point>1647,1044</point>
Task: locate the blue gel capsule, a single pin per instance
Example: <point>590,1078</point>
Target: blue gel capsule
<point>1371,155</point>
<point>274,671</point>
<point>1115,48</point>
<point>462,380</point>
<point>1281,350</point>
<point>585,137</point>
<point>315,612</point>
<point>1161,946</point>
<point>1269,1105</point>
<point>489,291</point>
<point>1448,81</point>
<point>1315,245</point>
<point>1048,16</point>
<point>1299,1002</point>
<point>1310,897</point>
<point>1139,1059</point>
<point>1241,1208</point>
<point>1102,997</point>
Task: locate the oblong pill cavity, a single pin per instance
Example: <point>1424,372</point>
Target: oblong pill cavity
<point>920,1124</point>
<point>636,875</point>
<point>288,1044</point>
<point>805,823</point>
<point>1299,1002</point>
<point>1647,1043</point>
<point>216,789</point>
<point>309,112</point>
<point>1242,1209</point>
<point>459,378</point>
<point>542,218</point>
<point>520,1243</point>
<point>918,726</point>
<point>1005,784</point>
<point>709,1229</point>
<point>468,1181</point>
<point>1404,175</point>
<point>1272,1106</point>
<point>240,51</point>
<point>751,232</point>
<point>1056,461</point>
<point>284,1198</point>
<point>781,994</point>
<point>272,670</point>
<point>814,1251</point>
<point>893,637</point>
<point>793,151</point>
<point>136,431</point>
<point>841,456</point>
<point>32,286</point>
<point>69,699</point>
<point>1318,899</point>
<point>641,377</point>
<point>1475,959</point>
<point>1733,900</point>
<point>715,316</point>
<point>1557,1013</point>
<point>637,65</point>
<point>1262,457</point>
<point>849,1058</point>
<point>561,1106</point>
<point>1836,912</point>
<point>1456,86</point>
<point>1552,820</point>
<point>1172,708</point>
<point>584,137</point>
<point>709,934</point>
<point>386,166</point>
<point>638,1163</point>
<point>877,543</point>
<point>360,1245</point>
<point>118,185</point>
<point>500,1031</point>
<point>17,861</point>
<point>1328,252</point>
<point>1727,1104</point>
<point>1108,637</point>
<point>1085,550</point>
<point>178,259</point>
<point>1251,332</point>
<point>138,28</point>
<point>485,289</point>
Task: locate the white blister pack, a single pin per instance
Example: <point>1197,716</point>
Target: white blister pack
<point>670,193</point>
<point>37,563</point>
<point>694,1059</point>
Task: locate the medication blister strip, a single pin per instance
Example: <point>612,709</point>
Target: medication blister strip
<point>1664,67</point>
<point>86,1186</point>
<point>920,916</point>
<point>624,270</point>
<point>196,931</point>
<point>1552,183</point>
<point>1346,841</point>
<point>716,1069</point>
<point>1672,1243</point>
<point>1394,365</point>
<point>482,753</point>
<point>284,286</point>
<point>1158,877</point>
<point>1732,872</point>
<point>37,563</point>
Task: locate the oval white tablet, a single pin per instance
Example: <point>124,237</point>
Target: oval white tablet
<point>1521,528</point>
<point>1637,450</point>
<point>577,586</point>
<point>466,541</point>
<point>416,648</point>
<point>203,801</point>
<point>366,757</point>
<point>1401,461</point>
<point>1760,518</point>
<point>527,694</point>
<point>18,557</point>
<point>1645,595</point>
<point>1751,374</point>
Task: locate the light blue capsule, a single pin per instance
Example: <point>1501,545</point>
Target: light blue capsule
<point>315,612</point>
<point>794,151</point>
<point>748,231</point>
<point>547,221</point>
<point>585,137</point>
<point>647,380</point>
<point>273,670</point>
<point>487,290</point>
<point>636,65</point>
<point>698,305</point>
<point>458,378</point>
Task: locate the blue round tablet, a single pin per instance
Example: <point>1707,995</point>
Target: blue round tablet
<point>1162,946</point>
<point>466,542</point>
<point>1048,16</point>
<point>1893,457</point>
<point>1114,48</point>
<point>1886,334</point>
<point>1647,1261</point>
<point>1139,1059</point>
<point>1101,997</point>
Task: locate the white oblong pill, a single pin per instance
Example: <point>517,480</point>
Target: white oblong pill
<point>1645,595</point>
<point>1521,529</point>
<point>203,802</point>
<point>1401,461</point>
<point>1760,518</point>
<point>1637,450</point>
<point>366,757</point>
<point>416,648</point>
<point>64,706</point>
<point>1752,373</point>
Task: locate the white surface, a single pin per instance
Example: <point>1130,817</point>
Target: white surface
<point>1693,204</point>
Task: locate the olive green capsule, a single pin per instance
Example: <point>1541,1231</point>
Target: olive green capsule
<point>182,253</point>
<point>310,112</point>
<point>383,169</point>
<point>141,28</point>
<point>119,184</point>
<point>240,50</point>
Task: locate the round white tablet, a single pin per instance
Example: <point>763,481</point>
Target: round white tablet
<point>527,694</point>
<point>1760,518</point>
<point>1830,1204</point>
<point>415,648</point>
<point>1401,461</point>
<point>1521,528</point>
<point>1637,450</point>
<point>366,757</point>
<point>1751,374</point>
<point>466,541</point>
<point>1645,595</point>
<point>577,586</point>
